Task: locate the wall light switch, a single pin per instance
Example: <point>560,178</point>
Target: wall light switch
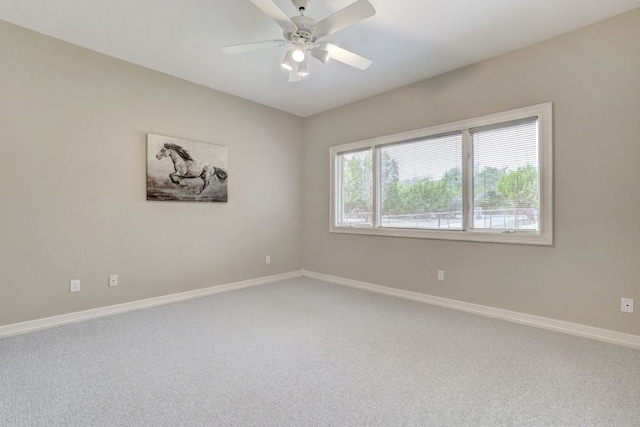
<point>74,285</point>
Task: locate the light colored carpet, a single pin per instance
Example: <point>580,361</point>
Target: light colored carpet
<point>307,353</point>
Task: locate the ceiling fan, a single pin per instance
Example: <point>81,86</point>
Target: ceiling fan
<point>304,35</point>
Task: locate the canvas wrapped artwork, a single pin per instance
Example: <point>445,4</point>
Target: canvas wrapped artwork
<point>183,170</point>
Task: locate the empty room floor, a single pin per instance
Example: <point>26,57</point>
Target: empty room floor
<point>303,352</point>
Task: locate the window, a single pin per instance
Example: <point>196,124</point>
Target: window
<point>355,188</point>
<point>483,179</point>
<point>421,183</point>
<point>506,191</point>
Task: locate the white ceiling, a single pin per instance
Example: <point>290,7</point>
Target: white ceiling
<point>408,40</point>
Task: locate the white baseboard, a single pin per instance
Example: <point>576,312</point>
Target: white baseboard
<point>613,337</point>
<point>79,316</point>
<point>605,335</point>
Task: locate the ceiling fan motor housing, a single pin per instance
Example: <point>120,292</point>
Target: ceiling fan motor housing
<point>304,32</point>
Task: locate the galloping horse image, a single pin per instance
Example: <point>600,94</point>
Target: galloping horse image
<point>185,167</point>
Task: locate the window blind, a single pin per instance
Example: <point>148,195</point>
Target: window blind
<point>421,183</point>
<point>506,179</point>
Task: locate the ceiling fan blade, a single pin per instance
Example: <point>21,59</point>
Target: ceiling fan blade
<point>294,77</point>
<point>248,47</point>
<point>351,14</point>
<point>347,57</point>
<point>274,12</point>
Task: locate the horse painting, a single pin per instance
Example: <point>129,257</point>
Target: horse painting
<point>185,167</point>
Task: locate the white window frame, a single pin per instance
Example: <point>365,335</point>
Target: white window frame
<point>544,236</point>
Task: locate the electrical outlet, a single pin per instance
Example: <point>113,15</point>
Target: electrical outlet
<point>113,280</point>
<point>74,285</point>
<point>267,260</point>
<point>440,274</point>
<point>626,305</point>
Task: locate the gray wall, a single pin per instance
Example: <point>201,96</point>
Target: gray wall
<point>73,127</point>
<point>593,78</point>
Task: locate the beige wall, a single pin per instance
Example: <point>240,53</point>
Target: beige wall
<point>593,78</point>
<point>72,197</point>
<point>73,127</point>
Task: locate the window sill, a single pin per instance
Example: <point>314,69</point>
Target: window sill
<point>520,238</point>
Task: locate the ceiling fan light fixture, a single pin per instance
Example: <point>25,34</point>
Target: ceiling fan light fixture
<point>303,69</point>
<point>287,62</point>
<point>320,54</point>
<point>298,54</point>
